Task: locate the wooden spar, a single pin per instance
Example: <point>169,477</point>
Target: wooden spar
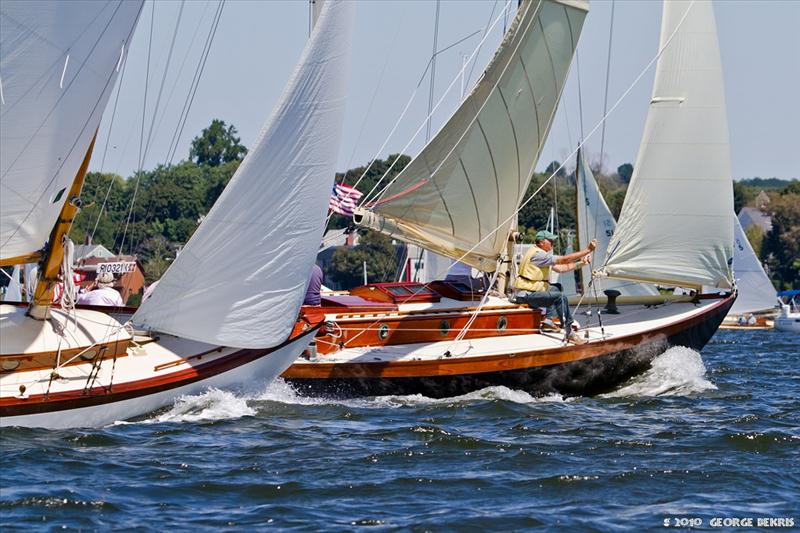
<point>33,257</point>
<point>48,274</point>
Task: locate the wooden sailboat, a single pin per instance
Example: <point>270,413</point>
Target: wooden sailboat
<point>458,197</point>
<point>247,264</point>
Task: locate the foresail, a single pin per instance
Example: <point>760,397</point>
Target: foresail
<point>241,278</point>
<point>755,290</point>
<point>58,63</point>
<point>459,193</point>
<point>595,221</point>
<point>676,223</point>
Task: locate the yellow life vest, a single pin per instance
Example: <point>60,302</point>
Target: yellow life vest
<point>532,277</point>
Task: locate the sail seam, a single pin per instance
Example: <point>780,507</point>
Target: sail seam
<point>516,143</point>
<point>474,199</point>
<point>494,169</point>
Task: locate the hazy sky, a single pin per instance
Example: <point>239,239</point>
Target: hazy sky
<point>258,43</point>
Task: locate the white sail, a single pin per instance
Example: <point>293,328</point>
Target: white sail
<point>459,193</point>
<point>755,290</point>
<point>54,90</point>
<point>675,226</point>
<point>595,221</point>
<point>241,278</point>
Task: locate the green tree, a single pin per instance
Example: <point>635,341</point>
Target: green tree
<point>755,235</point>
<point>782,244</point>
<point>739,197</point>
<point>552,167</point>
<point>376,249</point>
<point>625,172</point>
<point>217,144</point>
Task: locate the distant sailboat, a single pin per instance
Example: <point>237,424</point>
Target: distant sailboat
<point>458,197</point>
<point>595,221</point>
<point>226,311</point>
<point>756,292</point>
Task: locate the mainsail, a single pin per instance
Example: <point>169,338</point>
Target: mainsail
<point>241,278</point>
<point>458,195</point>
<point>675,226</point>
<point>57,68</point>
<point>595,221</point>
<point>755,290</point>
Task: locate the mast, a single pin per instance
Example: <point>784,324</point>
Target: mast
<point>54,253</point>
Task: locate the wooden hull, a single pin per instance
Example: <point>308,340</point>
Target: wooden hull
<point>138,380</point>
<point>592,368</point>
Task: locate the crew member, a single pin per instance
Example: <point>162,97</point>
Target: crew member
<point>314,287</point>
<point>103,293</point>
<point>533,285</point>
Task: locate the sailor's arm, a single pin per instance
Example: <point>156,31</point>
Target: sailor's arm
<point>571,259</point>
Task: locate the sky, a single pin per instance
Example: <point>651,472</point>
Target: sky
<point>257,44</point>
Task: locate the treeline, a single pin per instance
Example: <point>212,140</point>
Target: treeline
<point>170,201</point>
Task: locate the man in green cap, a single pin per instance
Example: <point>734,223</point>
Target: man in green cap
<point>533,282</point>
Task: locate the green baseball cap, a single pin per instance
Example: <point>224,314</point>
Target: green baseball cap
<point>544,234</point>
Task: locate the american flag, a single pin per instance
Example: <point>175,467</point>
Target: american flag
<point>344,199</point>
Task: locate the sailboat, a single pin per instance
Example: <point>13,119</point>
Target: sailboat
<point>755,306</point>
<point>226,312</point>
<point>458,198</point>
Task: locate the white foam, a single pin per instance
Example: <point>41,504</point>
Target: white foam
<point>677,372</point>
<point>282,392</point>
<point>213,404</point>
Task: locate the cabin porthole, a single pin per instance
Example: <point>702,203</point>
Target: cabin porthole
<point>383,332</point>
<point>9,364</point>
<point>444,327</point>
<point>502,323</point>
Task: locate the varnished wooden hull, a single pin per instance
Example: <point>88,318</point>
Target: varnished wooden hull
<point>574,370</point>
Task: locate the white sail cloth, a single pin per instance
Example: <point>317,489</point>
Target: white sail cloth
<point>58,63</point>
<point>755,290</point>
<point>241,278</point>
<point>676,223</point>
<point>595,221</point>
<point>460,192</point>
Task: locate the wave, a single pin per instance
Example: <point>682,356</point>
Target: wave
<point>677,372</point>
<point>213,404</point>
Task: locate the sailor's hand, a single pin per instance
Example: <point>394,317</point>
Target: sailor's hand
<point>586,259</point>
<point>593,245</point>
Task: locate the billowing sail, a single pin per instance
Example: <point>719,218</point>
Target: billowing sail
<point>676,223</point>
<point>595,221</point>
<point>755,290</point>
<point>58,63</point>
<point>459,193</point>
<point>242,276</point>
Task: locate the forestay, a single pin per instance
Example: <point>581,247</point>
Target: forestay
<point>58,63</point>
<point>755,290</point>
<point>675,227</point>
<point>595,221</point>
<point>458,195</point>
<point>242,276</point>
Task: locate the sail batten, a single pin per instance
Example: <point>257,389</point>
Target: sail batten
<point>241,278</point>
<point>675,227</point>
<point>491,142</point>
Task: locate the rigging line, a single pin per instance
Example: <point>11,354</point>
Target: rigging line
<point>375,92</point>
<point>419,130</point>
<point>580,93</point>
<point>433,70</point>
<point>400,119</point>
<point>164,78</point>
<point>105,151</point>
<point>180,70</point>
<point>608,73</point>
<point>184,115</point>
<point>141,138</point>
<point>472,121</point>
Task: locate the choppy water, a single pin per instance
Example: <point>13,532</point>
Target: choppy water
<point>702,438</point>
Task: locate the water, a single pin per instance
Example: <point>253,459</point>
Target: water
<point>694,438</point>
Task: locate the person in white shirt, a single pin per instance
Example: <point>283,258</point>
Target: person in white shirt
<point>103,294</point>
